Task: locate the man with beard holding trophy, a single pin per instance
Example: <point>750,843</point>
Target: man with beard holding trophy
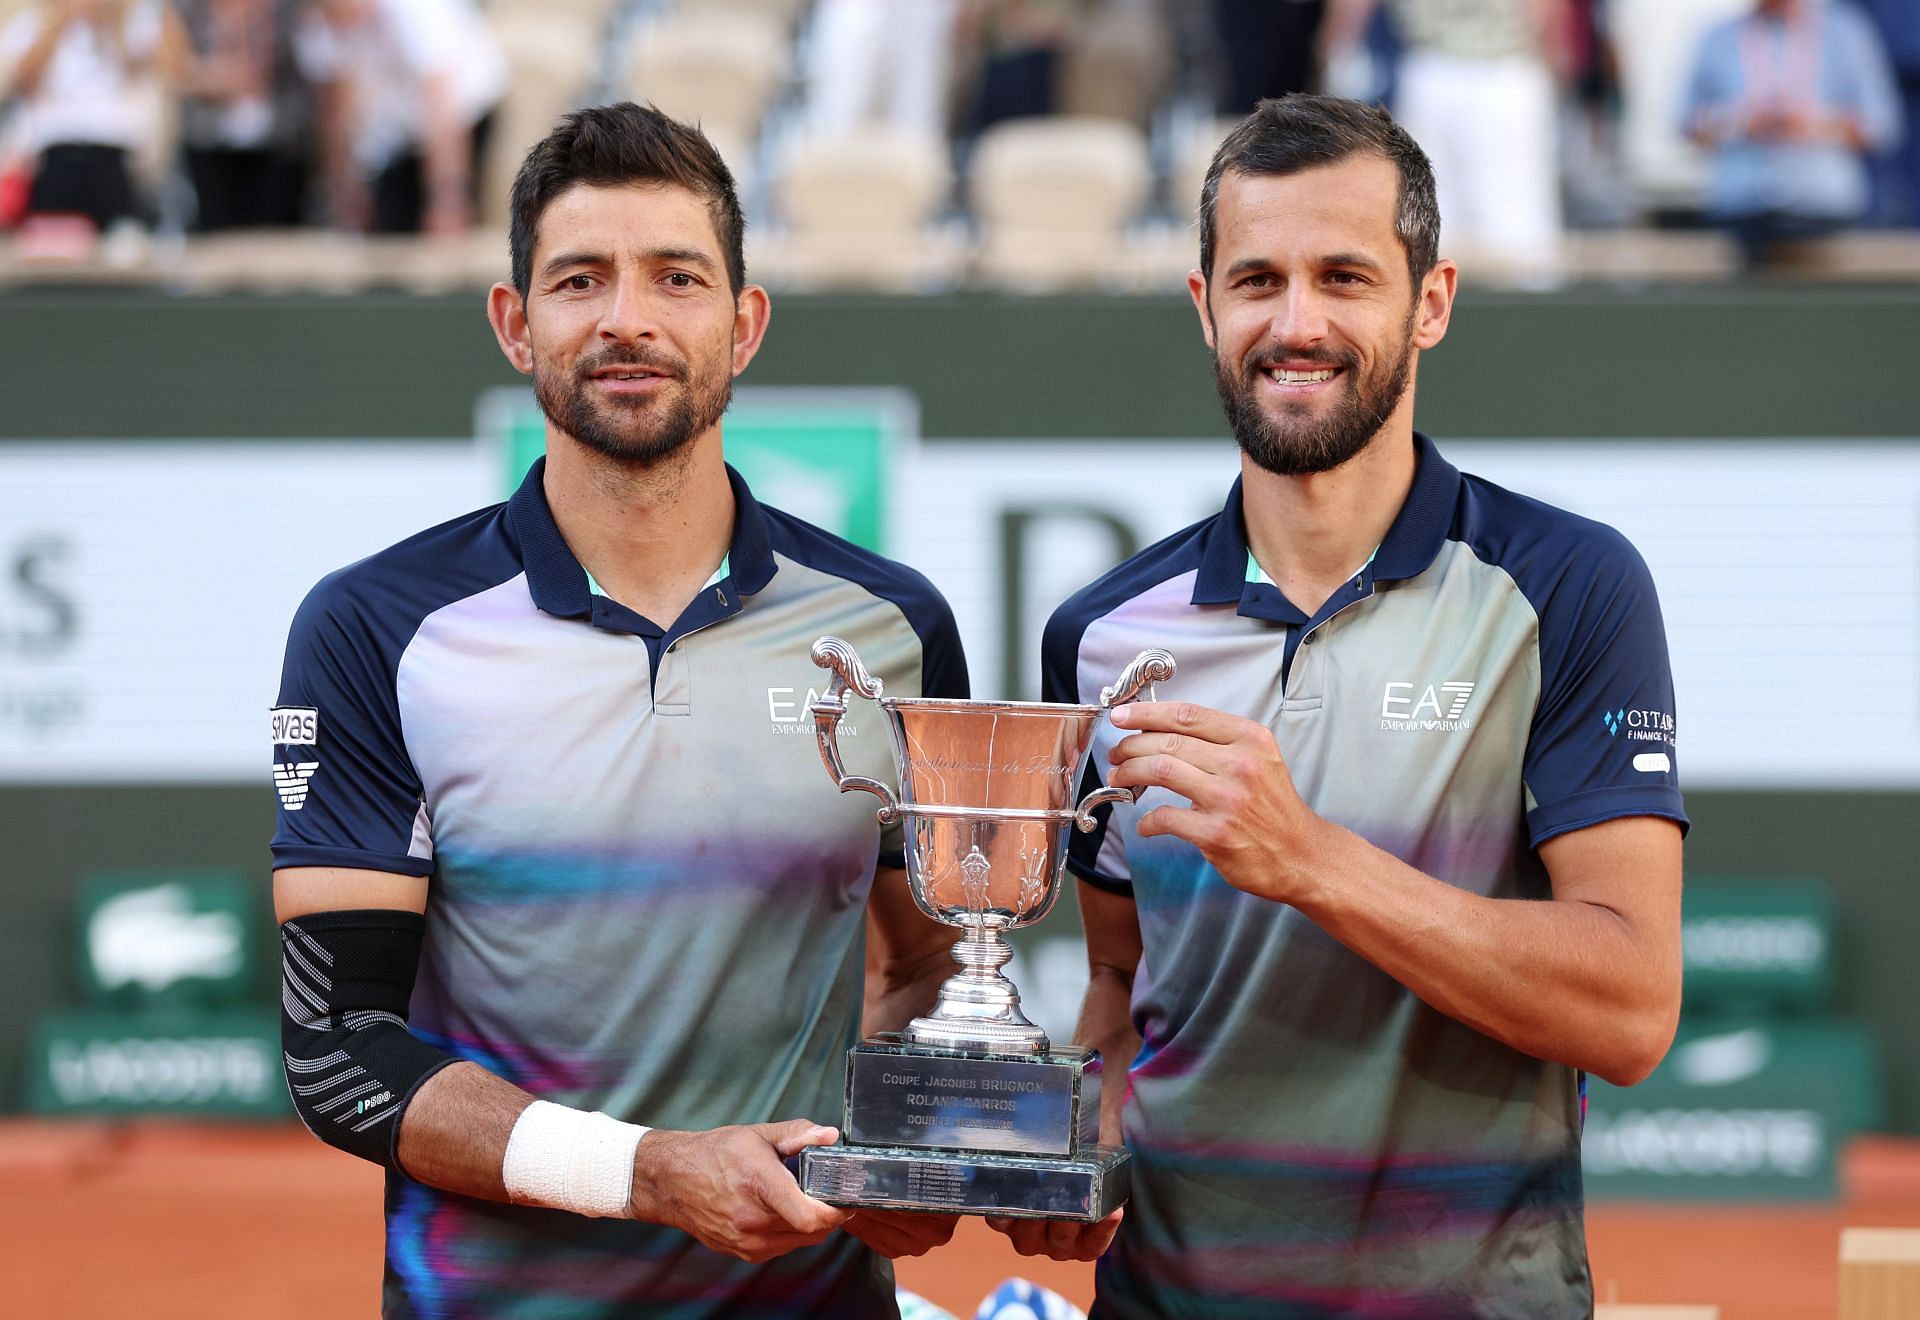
<point>1406,865</point>
<point>568,926</point>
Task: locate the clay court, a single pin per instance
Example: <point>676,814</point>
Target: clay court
<point>193,1222</point>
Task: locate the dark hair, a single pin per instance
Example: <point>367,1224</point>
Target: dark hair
<point>1298,132</point>
<point>611,145</point>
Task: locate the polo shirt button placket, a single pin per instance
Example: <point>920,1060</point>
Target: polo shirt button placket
<point>672,686</point>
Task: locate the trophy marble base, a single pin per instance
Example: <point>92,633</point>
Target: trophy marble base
<point>962,1131</point>
<point>924,1096</point>
<point>1087,1187</point>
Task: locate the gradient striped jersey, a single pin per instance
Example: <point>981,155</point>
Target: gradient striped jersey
<point>1309,1138</point>
<point>646,895</point>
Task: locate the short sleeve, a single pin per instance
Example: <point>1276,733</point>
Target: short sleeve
<point>1603,739</point>
<point>1098,856</point>
<point>347,791</point>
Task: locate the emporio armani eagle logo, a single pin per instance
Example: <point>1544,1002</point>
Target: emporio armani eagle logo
<point>290,781</point>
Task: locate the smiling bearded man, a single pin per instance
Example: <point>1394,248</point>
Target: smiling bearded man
<point>1390,888</point>
<point>573,942</point>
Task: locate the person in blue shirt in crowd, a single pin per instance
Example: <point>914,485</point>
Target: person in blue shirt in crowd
<point>1791,100</point>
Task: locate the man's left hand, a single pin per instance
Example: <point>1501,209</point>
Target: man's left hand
<point>897,1233</point>
<point>1245,816</point>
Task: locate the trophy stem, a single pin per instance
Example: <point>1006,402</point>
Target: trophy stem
<point>979,1009</point>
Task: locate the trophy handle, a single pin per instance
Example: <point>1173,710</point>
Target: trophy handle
<point>1149,667</point>
<point>1083,814</point>
<point>833,654</point>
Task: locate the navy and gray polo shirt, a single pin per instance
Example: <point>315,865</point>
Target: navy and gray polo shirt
<point>647,896</point>
<point>1310,1139</point>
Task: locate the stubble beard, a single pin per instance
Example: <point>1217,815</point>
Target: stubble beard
<point>1301,447</point>
<point>640,432</point>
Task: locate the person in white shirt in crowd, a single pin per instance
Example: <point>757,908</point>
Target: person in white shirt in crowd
<point>77,67</point>
<point>883,62</point>
<point>1476,86</point>
<point>407,93</point>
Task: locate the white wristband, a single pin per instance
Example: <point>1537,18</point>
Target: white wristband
<point>570,1159</point>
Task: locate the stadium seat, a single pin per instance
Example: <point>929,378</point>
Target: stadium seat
<point>783,12</point>
<point>1861,254</point>
<point>1117,65</point>
<point>553,71</point>
<point>1642,256</point>
<point>718,69</point>
<point>594,14</point>
<point>856,208</point>
<point>1055,196</point>
<point>274,261</point>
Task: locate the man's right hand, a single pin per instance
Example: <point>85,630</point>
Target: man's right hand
<point>728,1188</point>
<point>1058,1239</point>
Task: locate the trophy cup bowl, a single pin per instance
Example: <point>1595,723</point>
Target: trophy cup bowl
<point>972,1108</point>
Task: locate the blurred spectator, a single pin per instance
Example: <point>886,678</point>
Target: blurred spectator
<point>880,62</point>
<point>1020,43</point>
<point>407,90</point>
<point>1596,191</point>
<point>1898,178</point>
<point>1789,99</point>
<point>1475,86</point>
<point>1267,49</point>
<point>76,65</point>
<point>245,113</point>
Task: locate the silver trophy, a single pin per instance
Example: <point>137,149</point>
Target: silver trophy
<point>972,1109</point>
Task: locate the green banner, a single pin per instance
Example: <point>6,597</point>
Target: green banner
<point>183,936</point>
<point>1755,944</point>
<point>216,1062</point>
<point>1750,1111</point>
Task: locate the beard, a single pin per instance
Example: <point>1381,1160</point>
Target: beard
<point>1292,445</point>
<point>640,430</point>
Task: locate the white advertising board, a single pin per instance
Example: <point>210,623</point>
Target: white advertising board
<point>146,588</point>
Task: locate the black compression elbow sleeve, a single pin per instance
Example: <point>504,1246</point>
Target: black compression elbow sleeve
<point>352,1066</point>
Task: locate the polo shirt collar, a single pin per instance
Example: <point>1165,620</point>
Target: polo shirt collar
<point>556,579</point>
<point>1421,526</point>
<point>1410,545</point>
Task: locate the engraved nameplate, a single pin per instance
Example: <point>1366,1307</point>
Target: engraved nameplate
<point>1085,1188</point>
<point>970,1102</point>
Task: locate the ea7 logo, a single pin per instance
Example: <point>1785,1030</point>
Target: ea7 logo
<point>1440,701</point>
<point>790,710</point>
<point>290,781</point>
